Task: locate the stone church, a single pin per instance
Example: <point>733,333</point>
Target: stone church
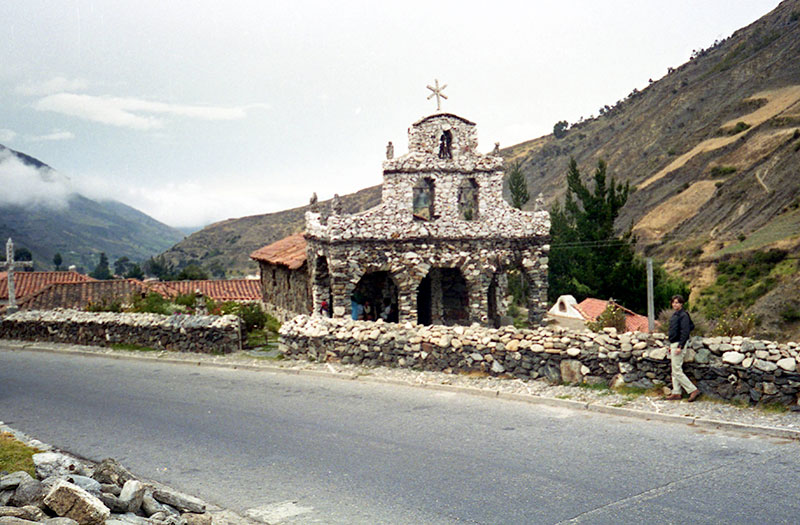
<point>438,247</point>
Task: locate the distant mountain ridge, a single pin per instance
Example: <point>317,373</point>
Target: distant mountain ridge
<point>82,228</point>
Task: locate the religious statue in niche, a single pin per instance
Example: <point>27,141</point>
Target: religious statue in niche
<point>446,145</point>
<point>423,200</point>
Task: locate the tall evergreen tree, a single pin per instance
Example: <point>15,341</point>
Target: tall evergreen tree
<point>101,271</point>
<point>57,260</point>
<point>587,259</point>
<point>518,187</point>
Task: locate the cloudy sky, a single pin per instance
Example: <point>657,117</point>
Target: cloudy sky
<point>198,111</point>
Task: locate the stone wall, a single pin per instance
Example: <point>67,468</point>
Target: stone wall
<point>285,292</point>
<point>181,333</point>
<point>735,368</point>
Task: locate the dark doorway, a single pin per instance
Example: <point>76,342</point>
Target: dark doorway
<point>424,301</point>
<point>443,298</point>
<point>377,293</point>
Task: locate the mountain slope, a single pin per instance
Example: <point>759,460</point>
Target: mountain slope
<point>77,227</point>
<point>711,148</point>
<point>226,246</point>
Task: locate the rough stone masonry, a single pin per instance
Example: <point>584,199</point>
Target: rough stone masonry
<point>733,368</point>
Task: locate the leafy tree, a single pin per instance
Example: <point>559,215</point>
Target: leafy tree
<point>134,272</point>
<point>587,258</point>
<point>122,265</point>
<point>560,129</point>
<point>158,267</point>
<point>192,272</point>
<point>57,260</point>
<point>101,271</point>
<point>518,187</point>
<point>23,254</point>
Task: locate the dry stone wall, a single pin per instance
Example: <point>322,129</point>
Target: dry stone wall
<point>181,333</point>
<point>737,368</point>
<point>285,292</point>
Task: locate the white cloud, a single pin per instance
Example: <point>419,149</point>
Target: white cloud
<point>132,112</point>
<point>24,185</point>
<point>54,85</point>
<point>56,135</point>
<point>7,135</point>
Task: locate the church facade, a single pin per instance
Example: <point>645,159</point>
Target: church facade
<point>438,248</point>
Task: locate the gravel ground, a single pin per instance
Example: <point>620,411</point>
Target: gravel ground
<point>652,403</point>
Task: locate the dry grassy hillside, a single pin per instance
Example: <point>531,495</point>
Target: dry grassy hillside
<point>712,150</point>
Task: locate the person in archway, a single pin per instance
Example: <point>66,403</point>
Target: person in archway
<point>369,311</point>
<point>680,327</point>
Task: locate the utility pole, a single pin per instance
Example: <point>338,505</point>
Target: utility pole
<point>651,320</point>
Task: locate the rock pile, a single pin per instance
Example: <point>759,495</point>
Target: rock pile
<point>70,492</point>
<point>180,333</point>
<point>734,368</point>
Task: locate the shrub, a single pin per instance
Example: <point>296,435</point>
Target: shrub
<point>739,127</point>
<point>152,303</point>
<point>105,305</point>
<point>790,314</point>
<point>612,317</point>
<point>735,323</point>
<point>721,171</point>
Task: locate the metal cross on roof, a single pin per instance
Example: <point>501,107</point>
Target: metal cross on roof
<point>437,92</point>
<point>11,265</point>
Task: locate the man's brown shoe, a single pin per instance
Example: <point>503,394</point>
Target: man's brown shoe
<point>673,397</point>
<point>694,395</point>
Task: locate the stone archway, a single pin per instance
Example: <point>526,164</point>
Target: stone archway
<point>321,290</point>
<point>377,294</point>
<point>443,298</point>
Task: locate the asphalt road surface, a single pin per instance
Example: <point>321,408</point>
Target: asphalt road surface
<point>302,449</point>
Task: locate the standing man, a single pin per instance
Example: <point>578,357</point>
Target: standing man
<point>680,326</point>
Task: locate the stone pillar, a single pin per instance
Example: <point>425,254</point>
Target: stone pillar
<point>437,309</point>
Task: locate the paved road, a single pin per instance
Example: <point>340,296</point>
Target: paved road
<point>318,450</point>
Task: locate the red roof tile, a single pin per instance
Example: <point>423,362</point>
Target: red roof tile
<point>591,308</point>
<point>289,251</point>
<point>79,295</point>
<point>225,290</point>
<point>27,283</point>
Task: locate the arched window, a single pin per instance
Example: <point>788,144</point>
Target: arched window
<point>423,200</point>
<point>468,200</point>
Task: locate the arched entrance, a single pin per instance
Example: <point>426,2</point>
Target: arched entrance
<point>322,287</point>
<point>375,297</point>
<point>443,298</point>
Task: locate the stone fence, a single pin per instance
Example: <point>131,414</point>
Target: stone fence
<point>181,333</point>
<point>733,368</point>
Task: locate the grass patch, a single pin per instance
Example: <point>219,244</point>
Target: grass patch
<point>784,226</point>
<point>598,386</point>
<point>773,408</point>
<point>564,396</point>
<point>15,455</point>
<point>133,347</point>
<point>721,171</point>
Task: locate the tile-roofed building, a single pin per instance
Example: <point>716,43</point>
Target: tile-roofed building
<point>28,283</point>
<point>289,252</point>
<point>284,281</point>
<point>223,290</point>
<point>81,294</point>
<point>592,308</point>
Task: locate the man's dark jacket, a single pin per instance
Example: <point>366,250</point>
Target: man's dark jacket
<point>680,326</point>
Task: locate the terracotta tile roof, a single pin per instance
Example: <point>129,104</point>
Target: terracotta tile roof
<point>592,308</point>
<point>27,283</point>
<point>289,251</point>
<point>225,290</point>
<point>79,295</point>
